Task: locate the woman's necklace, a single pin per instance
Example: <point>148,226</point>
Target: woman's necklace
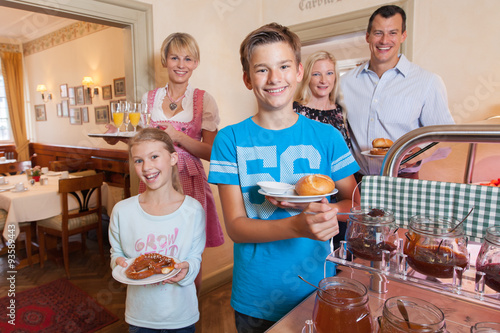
<point>173,104</point>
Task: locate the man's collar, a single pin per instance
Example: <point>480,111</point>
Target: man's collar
<point>403,66</point>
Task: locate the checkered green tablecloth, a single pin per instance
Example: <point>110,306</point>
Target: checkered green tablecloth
<point>409,197</point>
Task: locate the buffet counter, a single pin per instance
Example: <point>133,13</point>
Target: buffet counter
<point>460,315</point>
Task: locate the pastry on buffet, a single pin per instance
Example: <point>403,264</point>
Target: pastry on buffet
<point>381,146</point>
<point>149,264</point>
<point>493,182</point>
<point>314,185</point>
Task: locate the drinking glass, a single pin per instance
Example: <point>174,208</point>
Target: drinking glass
<point>135,114</point>
<point>126,113</point>
<point>117,113</point>
<point>146,115</point>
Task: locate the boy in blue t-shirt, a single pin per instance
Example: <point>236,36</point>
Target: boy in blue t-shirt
<point>276,241</point>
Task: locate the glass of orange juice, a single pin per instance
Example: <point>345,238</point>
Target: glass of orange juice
<point>134,114</point>
<point>117,113</point>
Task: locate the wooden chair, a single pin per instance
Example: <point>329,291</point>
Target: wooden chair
<point>58,166</point>
<point>78,221</point>
<point>14,167</point>
<point>116,172</point>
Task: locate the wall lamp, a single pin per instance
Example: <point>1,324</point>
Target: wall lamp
<point>88,81</point>
<point>42,89</point>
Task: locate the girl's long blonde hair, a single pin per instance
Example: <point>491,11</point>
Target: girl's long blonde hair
<point>155,134</point>
<point>304,94</point>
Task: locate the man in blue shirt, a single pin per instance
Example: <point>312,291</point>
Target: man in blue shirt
<point>388,96</point>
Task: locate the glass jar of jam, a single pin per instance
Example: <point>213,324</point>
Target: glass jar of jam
<point>370,231</point>
<point>342,306</point>
<point>485,327</point>
<point>434,247</point>
<point>488,259</point>
<point>422,316</point>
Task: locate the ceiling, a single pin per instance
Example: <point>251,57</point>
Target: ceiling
<point>20,26</point>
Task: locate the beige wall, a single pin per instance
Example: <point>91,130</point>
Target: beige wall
<point>99,55</point>
<point>454,38</point>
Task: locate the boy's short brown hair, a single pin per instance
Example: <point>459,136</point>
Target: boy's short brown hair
<point>267,34</point>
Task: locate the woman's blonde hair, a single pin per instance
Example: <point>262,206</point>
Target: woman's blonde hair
<point>155,134</point>
<point>304,93</point>
<point>179,41</point>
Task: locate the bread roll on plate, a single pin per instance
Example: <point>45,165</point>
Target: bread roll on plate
<point>314,185</point>
<point>381,146</point>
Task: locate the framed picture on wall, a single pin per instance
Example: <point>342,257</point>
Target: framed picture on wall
<point>65,108</point>
<point>59,109</point>
<point>119,87</point>
<point>71,95</point>
<point>85,114</point>
<point>80,99</point>
<point>107,92</point>
<point>75,116</point>
<point>64,90</point>
<point>101,114</point>
<point>87,97</point>
<point>40,112</point>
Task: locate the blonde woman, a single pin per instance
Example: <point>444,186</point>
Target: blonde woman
<point>317,97</point>
<point>190,117</point>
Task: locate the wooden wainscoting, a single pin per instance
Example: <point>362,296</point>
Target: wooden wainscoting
<point>8,151</point>
<point>114,163</point>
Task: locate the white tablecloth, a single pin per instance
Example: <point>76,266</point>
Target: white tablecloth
<point>38,202</point>
<point>7,161</point>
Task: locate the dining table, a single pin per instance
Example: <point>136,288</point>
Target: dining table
<point>37,202</point>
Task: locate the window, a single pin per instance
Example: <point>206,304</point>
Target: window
<point>5,129</point>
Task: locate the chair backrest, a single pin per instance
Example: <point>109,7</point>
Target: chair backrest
<point>81,188</point>
<point>14,167</point>
<point>116,172</point>
<point>71,166</point>
<point>409,197</point>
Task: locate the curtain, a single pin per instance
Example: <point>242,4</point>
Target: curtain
<point>12,70</point>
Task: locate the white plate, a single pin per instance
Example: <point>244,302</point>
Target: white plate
<point>119,275</point>
<point>17,191</point>
<point>291,196</point>
<point>4,188</point>
<point>367,153</point>
<point>53,173</point>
